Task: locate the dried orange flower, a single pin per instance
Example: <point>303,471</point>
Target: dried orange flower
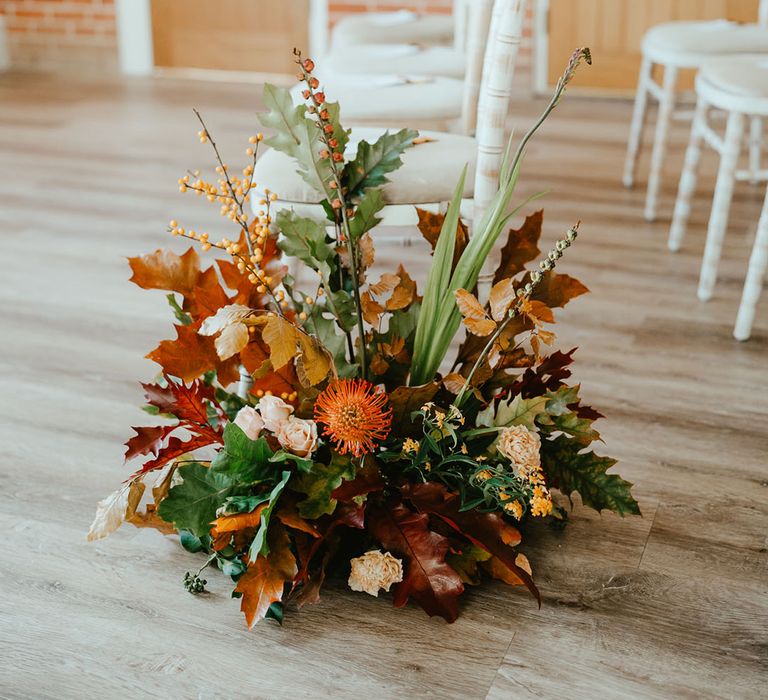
<point>355,415</point>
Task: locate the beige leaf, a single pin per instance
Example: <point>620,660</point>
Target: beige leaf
<point>475,318</point>
<point>386,284</point>
<point>423,139</point>
<point>282,338</point>
<point>224,317</point>
<point>454,382</point>
<point>501,298</point>
<point>231,340</point>
<point>111,512</point>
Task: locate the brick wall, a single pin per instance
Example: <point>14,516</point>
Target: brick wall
<point>61,35</point>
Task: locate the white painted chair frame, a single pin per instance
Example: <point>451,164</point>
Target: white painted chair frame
<point>665,95</point>
<point>739,108</point>
<point>753,284</point>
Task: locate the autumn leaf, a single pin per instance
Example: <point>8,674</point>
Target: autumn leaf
<point>176,448</point>
<point>164,269</point>
<point>113,510</point>
<point>227,324</point>
<point>515,411</point>
<point>263,582</point>
<point>207,297</point>
<point>427,577</point>
<point>406,399</point>
<point>289,516</point>
<point>367,480</point>
<point>404,294</point>
<point>556,290</point>
<point>238,521</point>
<point>475,318</point>
<point>147,440</point>
<point>496,568</point>
<point>521,247</point>
<point>467,561</point>
<point>430,225</point>
<point>501,297</point>
<point>188,357</point>
<point>282,337</point>
<point>487,530</point>
<point>187,403</point>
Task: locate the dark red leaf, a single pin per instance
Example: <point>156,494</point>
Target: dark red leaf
<point>427,577</point>
<point>175,448</point>
<point>547,376</point>
<point>521,247</point>
<point>487,530</point>
<point>147,440</point>
<point>368,479</point>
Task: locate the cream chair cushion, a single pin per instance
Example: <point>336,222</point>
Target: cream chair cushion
<point>392,99</point>
<point>393,27</point>
<point>430,171</point>
<point>703,39</point>
<point>377,59</point>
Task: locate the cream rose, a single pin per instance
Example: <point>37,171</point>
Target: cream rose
<point>375,571</point>
<point>249,421</point>
<point>274,412</point>
<point>298,436</point>
<point>520,446</point>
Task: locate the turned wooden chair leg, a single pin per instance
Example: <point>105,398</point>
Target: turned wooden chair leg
<point>753,285</point>
<point>721,204</point>
<point>755,147</point>
<point>638,123</point>
<point>688,178</point>
<point>663,119</point>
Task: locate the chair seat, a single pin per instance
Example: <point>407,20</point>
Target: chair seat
<point>392,99</point>
<point>429,173</point>
<point>736,82</point>
<point>377,59</point>
<point>688,44</point>
<point>393,27</point>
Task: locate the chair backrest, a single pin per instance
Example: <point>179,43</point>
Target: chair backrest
<point>762,13</point>
<point>495,98</point>
<point>461,14</point>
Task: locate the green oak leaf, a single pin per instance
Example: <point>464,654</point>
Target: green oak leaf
<point>558,401</point>
<point>302,464</point>
<point>192,504</point>
<point>259,545</point>
<point>517,411</point>
<point>243,458</point>
<point>320,483</point>
<point>374,160</point>
<point>569,469</point>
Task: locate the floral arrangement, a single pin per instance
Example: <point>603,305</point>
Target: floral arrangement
<point>324,430</point>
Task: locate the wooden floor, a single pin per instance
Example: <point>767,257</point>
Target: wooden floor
<point>671,605</point>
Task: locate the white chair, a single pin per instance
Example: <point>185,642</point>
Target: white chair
<point>402,26</point>
<point>430,170</point>
<point>408,98</point>
<point>737,85</point>
<point>753,285</point>
<point>676,45</point>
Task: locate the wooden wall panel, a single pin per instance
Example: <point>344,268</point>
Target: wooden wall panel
<point>257,35</point>
<point>613,29</point>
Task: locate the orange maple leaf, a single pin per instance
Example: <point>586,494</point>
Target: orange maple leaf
<point>164,269</point>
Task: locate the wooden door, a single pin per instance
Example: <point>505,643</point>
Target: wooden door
<point>612,29</point>
<point>235,35</point>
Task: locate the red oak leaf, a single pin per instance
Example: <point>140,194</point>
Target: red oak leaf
<point>175,448</point>
<point>147,440</point>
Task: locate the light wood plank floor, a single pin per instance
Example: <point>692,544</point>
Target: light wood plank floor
<point>666,606</point>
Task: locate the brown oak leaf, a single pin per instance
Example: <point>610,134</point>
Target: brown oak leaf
<point>521,247</point>
<point>475,318</point>
<point>430,225</point>
<point>164,269</point>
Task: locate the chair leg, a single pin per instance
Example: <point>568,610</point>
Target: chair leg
<point>753,285</point>
<point>688,178</point>
<point>638,123</point>
<point>664,117</point>
<point>721,204</point>
<point>755,146</point>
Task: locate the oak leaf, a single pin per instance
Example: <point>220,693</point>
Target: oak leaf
<point>188,357</point>
<point>557,290</point>
<point>521,247</point>
<point>147,440</point>
<point>498,570</point>
<point>475,318</point>
<point>263,582</point>
<point>430,225</point>
<point>164,269</point>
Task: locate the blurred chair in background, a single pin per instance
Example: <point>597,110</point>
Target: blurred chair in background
<point>737,85</point>
<point>676,45</point>
<point>431,169</point>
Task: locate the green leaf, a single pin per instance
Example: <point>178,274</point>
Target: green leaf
<point>568,469</point>
<point>302,464</point>
<point>365,215</point>
<point>374,160</point>
<point>275,612</point>
<point>181,316</point>
<point>558,401</point>
<point>320,483</point>
<point>192,504</point>
<point>192,543</point>
<point>241,457</point>
<point>579,428</point>
<point>234,568</point>
<point>305,239</point>
<point>259,544</point>
<point>242,504</point>
<point>517,411</point>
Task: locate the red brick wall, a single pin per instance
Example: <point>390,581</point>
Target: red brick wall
<point>61,35</point>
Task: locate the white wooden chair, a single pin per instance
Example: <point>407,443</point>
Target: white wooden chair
<point>401,26</point>
<point>424,101</point>
<point>737,85</point>
<point>753,285</point>
<point>431,170</point>
<point>676,45</point>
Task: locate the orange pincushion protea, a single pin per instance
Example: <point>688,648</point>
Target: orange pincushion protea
<point>355,415</point>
